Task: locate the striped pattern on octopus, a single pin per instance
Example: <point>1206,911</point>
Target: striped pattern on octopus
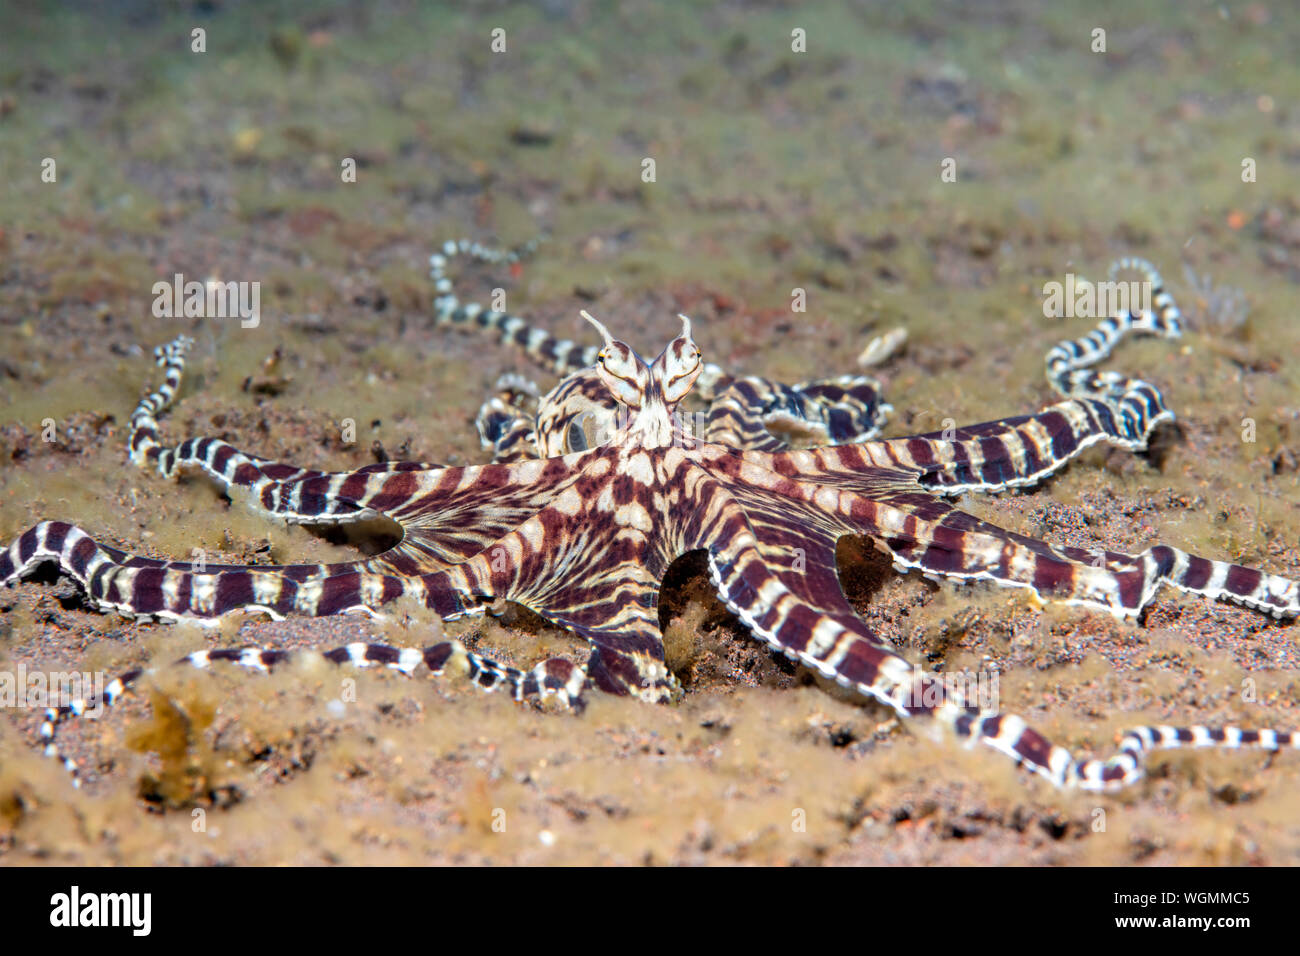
<point>745,411</point>
<point>584,535</point>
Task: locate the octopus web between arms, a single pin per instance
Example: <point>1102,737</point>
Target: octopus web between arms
<point>584,538</point>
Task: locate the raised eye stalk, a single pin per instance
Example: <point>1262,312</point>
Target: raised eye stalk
<point>604,332</point>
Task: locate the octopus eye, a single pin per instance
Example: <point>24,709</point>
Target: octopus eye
<point>576,438</point>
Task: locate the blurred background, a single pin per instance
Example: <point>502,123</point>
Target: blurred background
<point>774,169</point>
